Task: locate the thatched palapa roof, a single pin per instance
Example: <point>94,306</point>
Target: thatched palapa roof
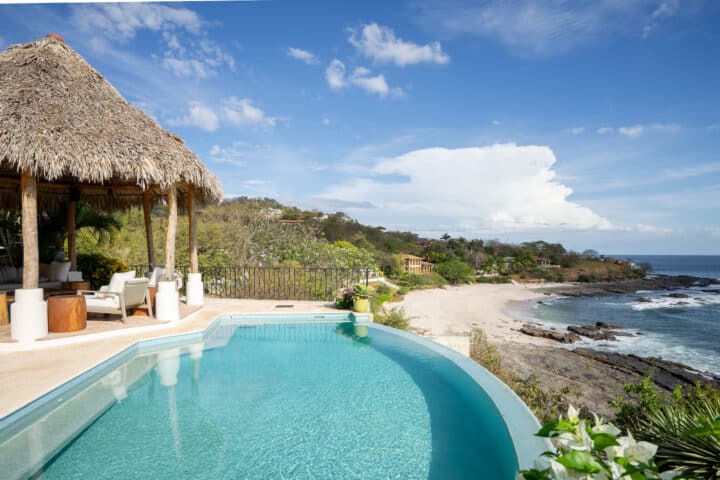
<point>61,120</point>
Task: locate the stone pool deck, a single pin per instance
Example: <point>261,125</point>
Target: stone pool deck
<point>26,374</point>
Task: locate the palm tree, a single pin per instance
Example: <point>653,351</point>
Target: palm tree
<point>52,228</point>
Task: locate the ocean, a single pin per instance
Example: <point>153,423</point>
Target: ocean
<point>678,328</point>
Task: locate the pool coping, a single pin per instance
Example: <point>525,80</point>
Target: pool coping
<point>524,424</point>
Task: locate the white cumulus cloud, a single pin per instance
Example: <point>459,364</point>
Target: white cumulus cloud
<point>240,111</point>
<point>380,44</point>
<point>124,20</point>
<point>501,187</point>
<point>335,74</point>
<point>232,110</point>
<point>360,77</point>
<point>199,115</point>
<point>303,55</point>
<point>604,130</point>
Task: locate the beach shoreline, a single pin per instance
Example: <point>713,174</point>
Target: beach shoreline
<point>456,310</point>
<point>591,378</point>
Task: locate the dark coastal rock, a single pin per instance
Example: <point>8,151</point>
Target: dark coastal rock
<point>608,326</point>
<point>666,374</point>
<point>562,337</point>
<point>656,282</point>
<point>643,300</point>
<point>592,331</point>
<point>677,295</point>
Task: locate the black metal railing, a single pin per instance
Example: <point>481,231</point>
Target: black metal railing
<point>275,283</point>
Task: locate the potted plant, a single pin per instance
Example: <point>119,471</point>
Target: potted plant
<point>361,299</point>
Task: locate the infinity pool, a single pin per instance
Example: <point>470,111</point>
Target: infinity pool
<point>320,400</point>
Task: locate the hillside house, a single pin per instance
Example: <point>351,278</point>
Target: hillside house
<point>415,264</point>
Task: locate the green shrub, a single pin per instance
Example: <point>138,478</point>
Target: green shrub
<point>395,317</point>
<point>97,269</point>
<point>456,271</point>
<point>414,281</point>
<point>403,291</point>
<point>494,279</point>
<point>685,425</point>
<point>585,450</point>
<point>382,289</point>
<point>587,278</point>
<point>376,300</point>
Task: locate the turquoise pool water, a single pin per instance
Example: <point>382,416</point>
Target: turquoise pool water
<point>288,400</point>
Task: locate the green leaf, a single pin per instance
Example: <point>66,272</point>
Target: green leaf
<point>535,474</point>
<point>581,462</point>
<point>547,429</point>
<point>708,428</point>
<point>603,440</point>
<point>565,425</point>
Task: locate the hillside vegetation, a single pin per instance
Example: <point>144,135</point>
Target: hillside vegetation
<point>262,232</point>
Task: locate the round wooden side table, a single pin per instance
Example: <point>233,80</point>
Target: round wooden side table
<point>4,316</point>
<point>66,313</point>
<point>84,285</point>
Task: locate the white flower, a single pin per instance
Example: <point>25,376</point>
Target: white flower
<point>601,427</point>
<point>577,440</point>
<point>573,414</point>
<point>634,451</point>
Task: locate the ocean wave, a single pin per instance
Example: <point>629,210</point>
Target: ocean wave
<point>694,299</point>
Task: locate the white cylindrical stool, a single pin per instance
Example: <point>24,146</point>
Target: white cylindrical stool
<point>28,315</point>
<point>167,302</point>
<point>194,289</point>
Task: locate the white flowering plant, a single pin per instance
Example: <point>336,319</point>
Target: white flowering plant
<point>594,452</point>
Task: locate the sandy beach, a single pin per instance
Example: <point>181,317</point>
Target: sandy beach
<point>453,311</point>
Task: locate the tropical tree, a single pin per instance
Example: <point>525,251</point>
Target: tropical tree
<point>52,228</point>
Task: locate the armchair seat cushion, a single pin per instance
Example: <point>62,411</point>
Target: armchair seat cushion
<point>109,301</point>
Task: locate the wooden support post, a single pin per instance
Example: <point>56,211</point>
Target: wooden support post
<point>148,230</point>
<point>192,221</point>
<point>31,255</point>
<point>71,250</point>
<point>171,233</point>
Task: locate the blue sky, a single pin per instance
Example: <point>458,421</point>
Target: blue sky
<point>592,123</point>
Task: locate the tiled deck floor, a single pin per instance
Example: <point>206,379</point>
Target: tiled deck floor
<point>97,324</point>
<point>27,375</point>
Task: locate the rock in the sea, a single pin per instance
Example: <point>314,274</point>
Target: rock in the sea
<point>643,300</point>
<point>677,295</point>
<point>608,326</point>
<point>592,331</point>
<point>561,337</point>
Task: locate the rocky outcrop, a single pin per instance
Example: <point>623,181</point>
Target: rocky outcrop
<point>594,378</point>
<point>665,373</point>
<point>659,282</point>
<point>593,332</point>
<point>562,337</point>
<point>599,331</point>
